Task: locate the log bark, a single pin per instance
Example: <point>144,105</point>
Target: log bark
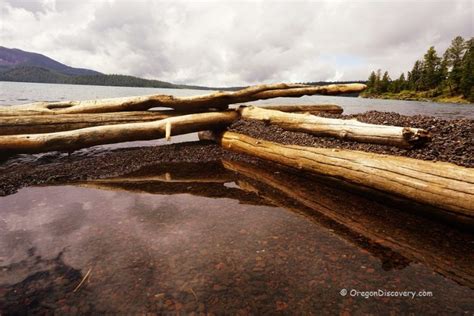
<point>303,108</point>
<point>35,124</point>
<point>443,185</point>
<point>217,100</point>
<point>108,134</point>
<point>405,137</point>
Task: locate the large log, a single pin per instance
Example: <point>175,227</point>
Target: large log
<point>35,124</point>
<point>50,123</point>
<point>404,137</point>
<point>443,185</point>
<point>91,136</point>
<point>214,100</point>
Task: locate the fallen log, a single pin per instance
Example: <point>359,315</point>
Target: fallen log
<point>303,108</point>
<point>443,185</point>
<point>108,134</point>
<point>217,100</point>
<point>405,137</point>
<point>35,124</point>
<point>50,123</point>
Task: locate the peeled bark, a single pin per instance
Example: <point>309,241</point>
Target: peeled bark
<point>405,137</point>
<point>217,100</point>
<point>108,134</point>
<point>443,185</point>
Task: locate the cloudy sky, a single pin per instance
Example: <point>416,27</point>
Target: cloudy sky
<point>224,43</point>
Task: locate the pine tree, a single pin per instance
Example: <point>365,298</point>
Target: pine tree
<point>416,76</point>
<point>455,54</point>
<point>371,82</point>
<point>385,83</point>
<point>467,72</point>
<point>431,70</point>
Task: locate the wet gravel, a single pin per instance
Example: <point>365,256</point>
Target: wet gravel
<point>452,140</point>
<point>57,168</point>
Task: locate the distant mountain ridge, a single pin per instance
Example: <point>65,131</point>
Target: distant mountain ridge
<point>12,58</point>
<point>22,66</point>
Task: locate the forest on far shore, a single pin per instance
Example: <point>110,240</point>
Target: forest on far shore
<point>449,78</point>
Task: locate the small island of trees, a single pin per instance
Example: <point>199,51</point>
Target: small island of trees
<point>446,79</point>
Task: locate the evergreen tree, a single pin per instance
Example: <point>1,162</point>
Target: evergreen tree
<point>385,83</point>
<point>467,72</point>
<point>431,76</point>
<point>371,82</point>
<point>416,76</point>
<point>454,56</point>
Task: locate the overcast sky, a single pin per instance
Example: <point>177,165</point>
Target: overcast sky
<point>225,43</point>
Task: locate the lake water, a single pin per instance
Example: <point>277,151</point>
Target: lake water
<point>226,237</point>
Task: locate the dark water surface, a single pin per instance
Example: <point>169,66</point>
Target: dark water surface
<point>227,237</point>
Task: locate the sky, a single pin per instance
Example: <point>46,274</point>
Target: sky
<point>231,43</point>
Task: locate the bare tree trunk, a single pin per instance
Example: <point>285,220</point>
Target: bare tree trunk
<point>35,124</point>
<point>91,136</point>
<point>303,108</point>
<point>405,137</point>
<point>218,100</point>
<point>443,185</point>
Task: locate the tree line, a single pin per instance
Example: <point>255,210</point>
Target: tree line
<point>452,74</point>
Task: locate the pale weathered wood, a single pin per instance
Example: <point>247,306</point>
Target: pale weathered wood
<point>303,108</point>
<point>443,185</point>
<point>35,124</point>
<point>91,136</point>
<point>213,100</point>
<point>405,137</point>
<point>50,123</point>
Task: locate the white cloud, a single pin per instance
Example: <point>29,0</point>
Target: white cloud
<point>235,42</point>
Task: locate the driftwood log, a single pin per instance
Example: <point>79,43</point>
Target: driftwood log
<point>50,123</point>
<point>35,124</point>
<point>217,100</point>
<point>303,108</point>
<point>99,135</point>
<point>405,137</point>
<point>440,184</point>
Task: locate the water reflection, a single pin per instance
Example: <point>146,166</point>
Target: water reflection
<point>223,237</point>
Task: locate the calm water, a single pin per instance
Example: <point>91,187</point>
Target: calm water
<point>227,237</point>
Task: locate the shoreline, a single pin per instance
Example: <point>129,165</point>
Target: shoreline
<point>403,97</point>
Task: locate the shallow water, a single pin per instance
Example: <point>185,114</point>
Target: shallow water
<point>224,238</point>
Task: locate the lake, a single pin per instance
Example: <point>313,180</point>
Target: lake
<point>221,237</point>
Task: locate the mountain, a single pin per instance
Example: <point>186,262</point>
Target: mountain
<point>13,58</point>
<point>21,66</point>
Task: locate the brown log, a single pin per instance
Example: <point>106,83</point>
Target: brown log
<point>108,134</point>
<point>440,184</point>
<point>399,231</point>
<point>35,124</point>
<point>405,137</point>
<point>303,108</point>
<point>214,100</point>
